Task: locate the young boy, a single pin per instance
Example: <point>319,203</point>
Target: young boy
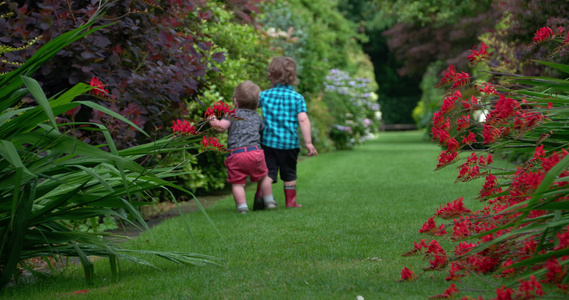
<point>284,110</point>
<point>245,157</point>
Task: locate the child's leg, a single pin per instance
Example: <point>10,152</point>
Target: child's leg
<point>290,194</point>
<point>238,191</point>
<point>266,187</point>
<point>258,203</point>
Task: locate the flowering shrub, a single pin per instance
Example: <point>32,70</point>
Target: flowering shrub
<point>523,231</point>
<point>353,105</point>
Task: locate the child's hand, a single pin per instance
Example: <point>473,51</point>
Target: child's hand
<point>311,150</point>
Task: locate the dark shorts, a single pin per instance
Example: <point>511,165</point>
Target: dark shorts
<point>244,164</point>
<point>283,160</point>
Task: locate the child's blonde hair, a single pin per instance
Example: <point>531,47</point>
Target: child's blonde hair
<point>282,70</point>
<point>247,95</point>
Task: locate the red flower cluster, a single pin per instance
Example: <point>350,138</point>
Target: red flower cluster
<point>490,187</point>
<point>542,35</point>
<point>437,253</point>
<point>452,210</point>
<point>407,275</point>
<point>99,89</point>
<point>478,55</point>
<point>184,127</point>
<point>510,118</point>
<point>219,109</point>
<point>451,76</point>
<point>463,122</point>
<point>471,168</point>
<point>486,88</point>
<point>430,227</point>
<point>448,294</point>
<point>211,143</point>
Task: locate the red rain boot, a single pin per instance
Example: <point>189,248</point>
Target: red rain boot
<point>259,204</point>
<point>290,196</point>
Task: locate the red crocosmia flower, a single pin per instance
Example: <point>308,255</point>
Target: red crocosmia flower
<point>463,247</point>
<point>438,119</point>
<point>528,288</point>
<point>183,127</point>
<point>549,105</point>
<point>452,145</point>
<point>460,80</point>
<point>407,275</point>
<point>469,139</point>
<point>504,293</point>
<point>478,54</point>
<point>448,76</point>
<point>211,143</point>
<point>463,122</point>
<point>446,158</point>
<point>219,109</point>
<point>429,226</point>
<point>555,272</point>
<point>448,294</point>
<point>452,209</point>
<point>487,88</point>
<point>507,272</point>
<point>99,87</point>
<point>489,159</point>
<point>81,292</point>
<point>441,231</point>
<point>542,35</point>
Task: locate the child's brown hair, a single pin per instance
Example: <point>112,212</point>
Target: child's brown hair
<point>282,70</point>
<point>246,94</point>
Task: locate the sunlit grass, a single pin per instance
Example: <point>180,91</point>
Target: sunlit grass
<point>361,210</point>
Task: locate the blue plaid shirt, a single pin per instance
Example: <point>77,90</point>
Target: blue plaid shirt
<point>281,106</point>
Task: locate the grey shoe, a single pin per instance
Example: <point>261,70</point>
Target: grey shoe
<point>243,210</point>
<point>271,205</point>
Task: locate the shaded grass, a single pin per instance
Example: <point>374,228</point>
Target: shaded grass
<point>361,210</point>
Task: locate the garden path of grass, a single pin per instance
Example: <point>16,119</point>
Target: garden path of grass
<point>361,210</point>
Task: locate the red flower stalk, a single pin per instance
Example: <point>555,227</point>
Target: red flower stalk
<point>453,273</point>
<point>407,275</point>
<point>219,109</point>
<point>448,76</point>
<point>478,55</point>
<point>99,89</point>
<point>452,209</point>
<point>529,287</point>
<point>542,35</point>
<point>486,88</point>
<point>429,226</point>
<point>490,187</point>
<point>448,294</point>
<point>446,158</point>
<point>471,105</point>
<point>507,272</point>
<point>504,293</point>
<point>469,139</point>
<point>460,80</point>
<point>184,127</point>
<point>211,143</point>
<point>463,122</point>
<point>555,272</point>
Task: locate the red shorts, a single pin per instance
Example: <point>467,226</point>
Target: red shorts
<point>241,165</point>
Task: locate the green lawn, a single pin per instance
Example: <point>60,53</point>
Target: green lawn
<point>361,210</point>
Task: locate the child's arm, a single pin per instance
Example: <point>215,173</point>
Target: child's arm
<point>304,123</point>
<point>219,125</point>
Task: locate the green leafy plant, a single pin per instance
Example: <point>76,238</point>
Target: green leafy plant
<point>48,178</point>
